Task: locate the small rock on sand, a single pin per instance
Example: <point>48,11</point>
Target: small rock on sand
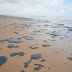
<point>37,68</point>
<point>33,47</point>
<point>28,38</point>
<point>39,65</point>
<point>43,60</point>
<point>14,54</point>
<point>46,45</point>
<point>36,56</point>
<point>3,59</point>
<point>48,67</point>
<point>70,58</point>
<point>12,40</point>
<point>12,46</point>
<point>27,63</point>
<point>23,71</point>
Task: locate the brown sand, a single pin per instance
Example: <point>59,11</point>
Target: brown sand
<point>56,55</point>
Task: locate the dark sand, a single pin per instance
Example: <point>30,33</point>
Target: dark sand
<point>49,38</point>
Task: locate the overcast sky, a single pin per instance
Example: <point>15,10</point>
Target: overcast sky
<point>36,7</point>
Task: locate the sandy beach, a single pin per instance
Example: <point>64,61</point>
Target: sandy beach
<point>33,44</point>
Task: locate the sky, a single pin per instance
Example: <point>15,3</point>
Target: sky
<point>36,7</point>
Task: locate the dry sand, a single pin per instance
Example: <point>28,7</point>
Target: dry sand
<point>57,35</point>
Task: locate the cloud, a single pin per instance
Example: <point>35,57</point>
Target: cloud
<point>33,7</point>
<point>9,1</point>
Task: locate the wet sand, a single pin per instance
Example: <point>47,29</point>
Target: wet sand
<point>51,38</point>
